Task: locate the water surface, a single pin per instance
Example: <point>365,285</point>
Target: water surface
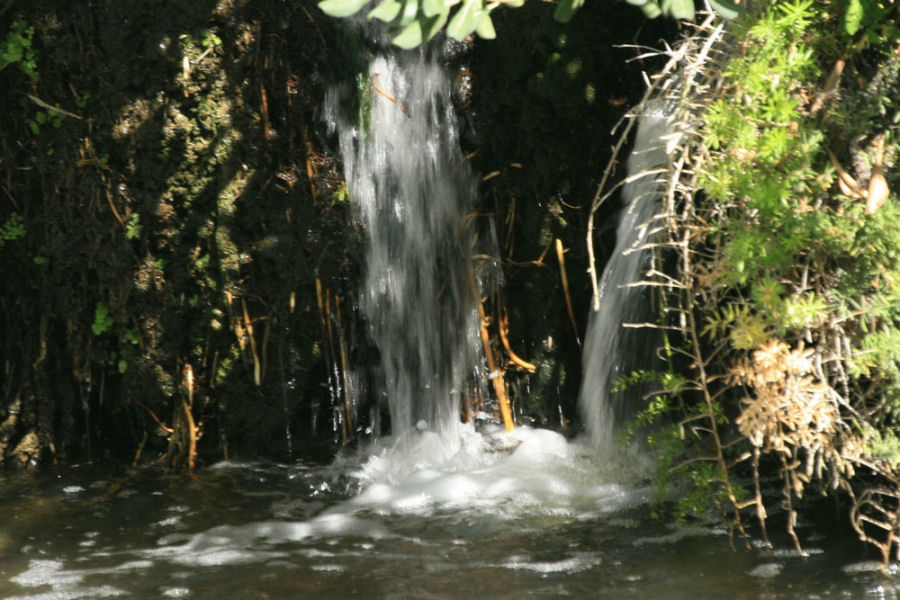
<point>426,518</point>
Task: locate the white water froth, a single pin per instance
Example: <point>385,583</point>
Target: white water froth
<point>68,584</point>
<point>507,476</point>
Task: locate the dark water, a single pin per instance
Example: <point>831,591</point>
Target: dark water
<point>540,522</point>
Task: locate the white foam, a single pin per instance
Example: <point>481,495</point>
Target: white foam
<point>573,564</point>
<point>502,476</point>
<point>64,584</point>
<point>252,542</point>
<point>766,570</point>
<point>526,471</point>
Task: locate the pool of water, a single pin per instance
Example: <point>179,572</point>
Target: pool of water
<point>503,517</point>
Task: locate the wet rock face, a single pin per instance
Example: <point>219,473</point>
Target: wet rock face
<point>181,203</point>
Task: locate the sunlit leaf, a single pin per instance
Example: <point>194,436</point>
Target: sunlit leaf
<point>433,7</point>
<point>725,8</point>
<point>486,29</point>
<point>431,26</point>
<point>387,11</point>
<point>411,36</point>
<point>420,30</point>
<point>565,9</point>
<point>651,9</point>
<point>409,12</point>
<point>341,8</point>
<point>682,9</point>
<point>466,19</point>
<point>854,16</point>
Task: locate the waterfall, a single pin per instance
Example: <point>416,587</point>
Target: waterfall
<point>411,190</point>
<point>612,350</point>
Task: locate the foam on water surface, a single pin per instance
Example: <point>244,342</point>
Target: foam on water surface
<point>528,471</point>
<point>528,513</point>
<point>507,476</point>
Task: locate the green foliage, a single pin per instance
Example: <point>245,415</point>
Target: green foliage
<point>884,446</point>
<point>412,22</point>
<point>871,19</point>
<point>666,400</point>
<point>133,227</point>
<point>103,321</point>
<point>12,229</point>
<point>53,118</point>
<point>799,271</point>
<point>210,39</point>
<point>16,49</point>
<point>680,9</point>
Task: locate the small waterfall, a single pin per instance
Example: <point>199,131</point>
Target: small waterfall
<point>412,189</point>
<point>612,350</point>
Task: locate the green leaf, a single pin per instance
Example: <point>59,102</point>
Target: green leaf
<point>565,9</point>
<point>466,19</point>
<point>341,8</point>
<point>102,319</point>
<point>725,8</point>
<point>411,36</point>
<point>486,29</point>
<point>854,16</point>
<point>651,9</point>
<point>410,10</point>
<point>431,8</point>
<point>387,11</point>
<point>431,26</point>
<point>420,30</point>
<point>682,9</point>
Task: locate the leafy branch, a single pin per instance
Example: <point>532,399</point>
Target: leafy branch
<point>412,22</point>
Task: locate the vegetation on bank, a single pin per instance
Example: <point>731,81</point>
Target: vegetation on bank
<point>783,228</point>
<point>160,239</point>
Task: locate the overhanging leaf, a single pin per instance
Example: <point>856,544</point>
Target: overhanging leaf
<point>433,7</point>
<point>387,11</point>
<point>725,8</point>
<point>432,25</point>
<point>420,30</point>
<point>565,9</point>
<point>485,28</point>
<point>410,10</point>
<point>853,16</point>
<point>682,9</point>
<point>341,8</point>
<point>410,37</point>
<point>466,19</point>
<point>651,9</point>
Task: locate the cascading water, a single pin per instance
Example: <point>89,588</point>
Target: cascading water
<point>413,189</point>
<point>611,350</point>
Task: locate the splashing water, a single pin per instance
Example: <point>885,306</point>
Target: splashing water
<point>611,350</point>
<point>413,189</point>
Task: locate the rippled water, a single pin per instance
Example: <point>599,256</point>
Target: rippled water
<point>475,517</point>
